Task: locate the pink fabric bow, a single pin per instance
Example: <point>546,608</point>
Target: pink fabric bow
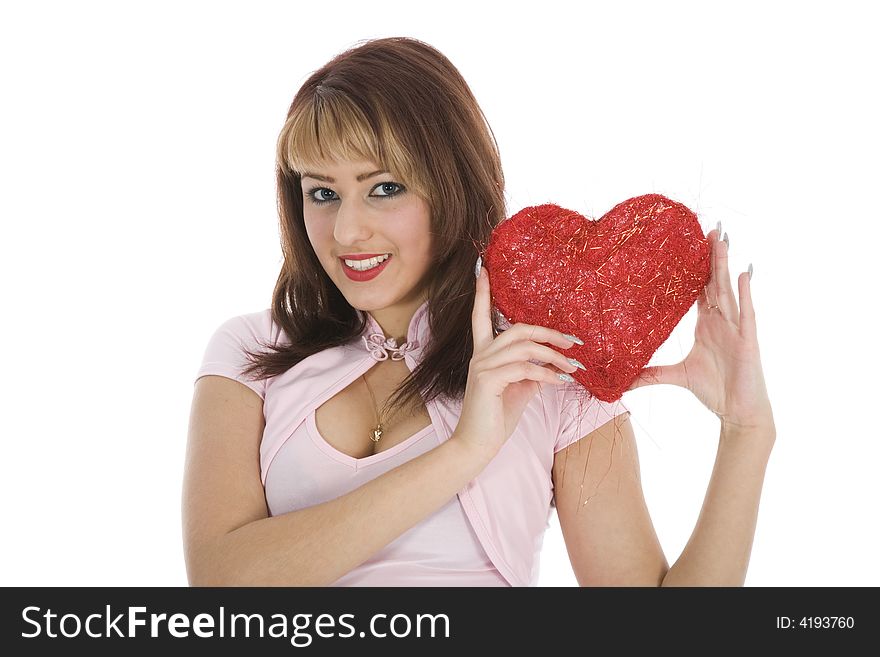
<point>379,346</point>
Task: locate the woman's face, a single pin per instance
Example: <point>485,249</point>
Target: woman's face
<point>347,216</point>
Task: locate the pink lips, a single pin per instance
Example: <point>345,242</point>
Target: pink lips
<point>361,276</point>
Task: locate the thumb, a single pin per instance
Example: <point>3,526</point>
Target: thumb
<point>481,315</point>
<point>659,374</point>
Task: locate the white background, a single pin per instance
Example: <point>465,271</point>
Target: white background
<point>138,208</point>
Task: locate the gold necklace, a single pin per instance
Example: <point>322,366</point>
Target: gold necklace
<point>376,433</point>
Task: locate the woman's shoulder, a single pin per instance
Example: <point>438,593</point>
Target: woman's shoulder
<point>579,413</point>
<point>224,354</point>
<point>257,327</point>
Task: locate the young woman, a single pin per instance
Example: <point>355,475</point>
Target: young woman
<point>380,426</point>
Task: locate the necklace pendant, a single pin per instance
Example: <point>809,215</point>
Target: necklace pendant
<point>376,433</point>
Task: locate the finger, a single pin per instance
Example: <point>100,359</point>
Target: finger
<point>703,299</point>
<point>723,287</point>
<point>746,308</point>
<point>708,294</point>
<point>712,293</point>
<point>522,371</point>
<point>533,332</point>
<point>522,350</point>
<point>481,317</point>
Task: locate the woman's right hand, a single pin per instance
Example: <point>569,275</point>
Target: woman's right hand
<point>501,380</point>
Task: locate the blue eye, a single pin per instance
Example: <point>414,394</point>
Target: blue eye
<point>317,201</point>
<point>384,186</point>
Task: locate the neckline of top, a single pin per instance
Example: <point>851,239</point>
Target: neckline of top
<point>416,334</point>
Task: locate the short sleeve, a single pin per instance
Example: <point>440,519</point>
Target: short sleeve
<point>580,413</point>
<point>225,356</point>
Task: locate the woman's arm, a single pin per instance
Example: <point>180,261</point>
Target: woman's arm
<point>723,370</point>
<point>718,551</point>
<point>607,528</point>
<point>231,541</point>
<point>602,511</point>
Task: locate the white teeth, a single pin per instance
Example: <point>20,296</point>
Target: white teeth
<point>362,265</point>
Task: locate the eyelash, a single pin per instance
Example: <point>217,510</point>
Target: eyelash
<point>311,192</point>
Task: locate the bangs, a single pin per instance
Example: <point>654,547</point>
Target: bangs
<point>332,129</point>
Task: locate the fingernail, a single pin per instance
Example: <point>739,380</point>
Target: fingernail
<point>478,266</point>
<point>576,363</point>
<point>750,271</point>
<point>727,240</point>
<point>718,227</point>
<point>565,377</point>
<point>572,338</point>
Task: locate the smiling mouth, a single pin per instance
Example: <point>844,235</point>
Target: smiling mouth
<point>366,264</point>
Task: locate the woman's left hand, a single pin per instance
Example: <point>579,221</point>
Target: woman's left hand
<point>723,368</point>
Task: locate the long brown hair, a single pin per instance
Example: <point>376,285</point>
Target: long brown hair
<point>401,104</point>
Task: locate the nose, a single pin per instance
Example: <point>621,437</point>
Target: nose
<point>352,223</point>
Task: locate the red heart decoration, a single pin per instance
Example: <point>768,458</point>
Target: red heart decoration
<point>621,283</point>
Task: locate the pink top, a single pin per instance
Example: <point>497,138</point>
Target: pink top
<point>490,534</point>
<point>442,550</point>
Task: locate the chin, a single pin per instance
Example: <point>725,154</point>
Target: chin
<point>364,303</point>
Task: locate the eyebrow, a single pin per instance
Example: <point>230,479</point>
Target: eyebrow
<point>360,178</point>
